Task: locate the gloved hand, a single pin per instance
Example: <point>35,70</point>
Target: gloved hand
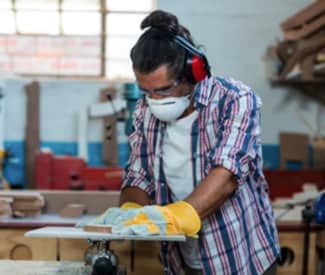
<point>176,218</point>
<point>187,216</point>
<point>172,219</point>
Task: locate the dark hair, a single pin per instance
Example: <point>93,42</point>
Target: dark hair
<point>155,47</point>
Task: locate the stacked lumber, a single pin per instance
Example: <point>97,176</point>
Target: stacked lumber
<point>301,53</point>
<point>24,203</point>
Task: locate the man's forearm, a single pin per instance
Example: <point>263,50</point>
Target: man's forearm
<point>212,191</point>
<point>134,194</point>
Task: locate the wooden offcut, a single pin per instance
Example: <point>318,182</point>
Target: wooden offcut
<point>102,228</point>
<point>73,210</point>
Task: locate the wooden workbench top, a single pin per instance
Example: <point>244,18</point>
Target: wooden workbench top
<point>43,268</point>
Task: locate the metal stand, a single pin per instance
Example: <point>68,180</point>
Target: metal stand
<point>103,260</point>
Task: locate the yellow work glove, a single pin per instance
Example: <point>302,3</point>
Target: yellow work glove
<point>187,217</point>
<point>172,219</point>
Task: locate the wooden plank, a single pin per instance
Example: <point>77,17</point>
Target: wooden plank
<point>79,233</point>
<point>32,132</point>
<point>304,15</point>
<point>110,145</point>
<point>306,30</point>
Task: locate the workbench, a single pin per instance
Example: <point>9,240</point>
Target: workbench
<point>15,246</point>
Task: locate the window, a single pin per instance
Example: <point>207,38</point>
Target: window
<point>70,37</point>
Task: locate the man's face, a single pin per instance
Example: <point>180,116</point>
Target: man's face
<point>158,84</point>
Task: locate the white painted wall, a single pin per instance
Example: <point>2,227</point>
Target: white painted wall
<point>60,101</point>
<point>235,35</point>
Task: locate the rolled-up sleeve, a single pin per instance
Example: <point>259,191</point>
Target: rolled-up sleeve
<point>137,169</point>
<point>238,135</point>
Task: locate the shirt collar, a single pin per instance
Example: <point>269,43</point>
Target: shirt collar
<point>202,92</point>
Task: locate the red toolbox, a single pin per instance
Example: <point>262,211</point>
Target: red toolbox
<point>69,172</point>
<point>64,168</point>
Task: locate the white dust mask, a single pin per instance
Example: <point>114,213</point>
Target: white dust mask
<point>168,108</point>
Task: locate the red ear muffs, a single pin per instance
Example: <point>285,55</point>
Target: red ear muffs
<point>198,68</point>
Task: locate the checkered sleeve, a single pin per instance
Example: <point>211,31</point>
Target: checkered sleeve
<point>238,135</point>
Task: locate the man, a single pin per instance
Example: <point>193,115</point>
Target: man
<point>196,152</point>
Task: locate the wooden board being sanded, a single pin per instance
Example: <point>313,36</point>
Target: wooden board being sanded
<point>80,233</point>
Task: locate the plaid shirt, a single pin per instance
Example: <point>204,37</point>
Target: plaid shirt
<point>240,237</point>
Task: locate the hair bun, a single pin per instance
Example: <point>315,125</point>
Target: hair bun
<point>161,20</point>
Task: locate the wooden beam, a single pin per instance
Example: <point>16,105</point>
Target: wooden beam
<point>32,131</point>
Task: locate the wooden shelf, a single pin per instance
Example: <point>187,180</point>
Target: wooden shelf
<point>302,82</point>
<point>314,88</point>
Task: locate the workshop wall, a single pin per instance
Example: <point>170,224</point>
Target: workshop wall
<point>235,35</point>
<point>60,101</point>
